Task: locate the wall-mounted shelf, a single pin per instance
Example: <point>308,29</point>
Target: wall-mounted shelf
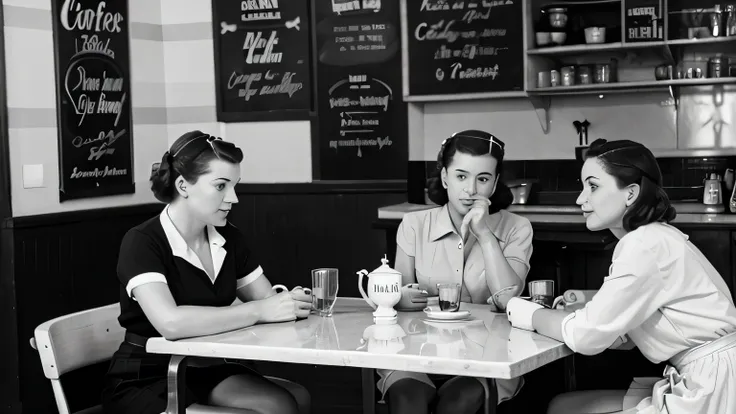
<point>620,87</point>
<point>703,41</point>
<point>572,50</point>
<point>541,97</point>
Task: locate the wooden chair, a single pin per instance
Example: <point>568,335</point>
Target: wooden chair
<point>81,339</point>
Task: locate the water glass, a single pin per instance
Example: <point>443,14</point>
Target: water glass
<point>449,296</point>
<point>542,292</point>
<point>324,290</point>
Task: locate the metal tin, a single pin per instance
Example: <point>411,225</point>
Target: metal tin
<point>714,67</point>
<point>602,73</point>
<point>568,75</point>
<point>544,79</point>
<point>554,78</point>
<point>584,75</point>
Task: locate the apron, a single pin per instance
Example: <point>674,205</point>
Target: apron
<point>701,380</point>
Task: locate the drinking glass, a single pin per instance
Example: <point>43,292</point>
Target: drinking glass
<point>449,296</point>
<point>324,290</point>
<point>542,292</point>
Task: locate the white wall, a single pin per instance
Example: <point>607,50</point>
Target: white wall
<point>274,151</point>
<point>650,118</point>
<point>30,82</point>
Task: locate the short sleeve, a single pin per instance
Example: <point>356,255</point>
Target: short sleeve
<point>406,238</point>
<point>519,245</point>
<point>247,267</point>
<point>140,261</point>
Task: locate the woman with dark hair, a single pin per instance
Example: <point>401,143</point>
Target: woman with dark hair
<point>661,295</point>
<point>180,274</point>
<point>469,239</point>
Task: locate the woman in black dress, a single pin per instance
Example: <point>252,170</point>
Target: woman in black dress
<point>186,273</point>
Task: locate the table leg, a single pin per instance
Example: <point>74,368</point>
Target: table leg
<point>570,381</point>
<point>369,395</point>
<point>176,385</point>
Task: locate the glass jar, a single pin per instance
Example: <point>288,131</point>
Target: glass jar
<point>558,17</point>
<point>585,76</point>
<point>568,75</point>
<point>714,67</point>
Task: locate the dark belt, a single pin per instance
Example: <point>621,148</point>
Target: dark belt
<point>135,339</point>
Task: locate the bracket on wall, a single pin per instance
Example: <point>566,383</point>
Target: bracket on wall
<point>675,95</point>
<point>541,107</point>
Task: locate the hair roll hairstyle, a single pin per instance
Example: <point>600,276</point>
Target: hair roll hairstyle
<point>472,142</point>
<point>190,157</point>
<point>629,163</point>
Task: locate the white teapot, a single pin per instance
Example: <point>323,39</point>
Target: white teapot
<point>384,291</point>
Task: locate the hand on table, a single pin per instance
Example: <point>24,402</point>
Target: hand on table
<point>520,311</point>
<point>282,307</point>
<point>412,298</point>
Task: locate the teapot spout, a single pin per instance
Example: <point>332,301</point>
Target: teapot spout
<point>360,274</point>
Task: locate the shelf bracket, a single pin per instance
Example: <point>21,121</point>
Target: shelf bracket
<point>675,95</point>
<point>541,106</point>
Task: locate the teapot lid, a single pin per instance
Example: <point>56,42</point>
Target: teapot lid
<point>385,268</point>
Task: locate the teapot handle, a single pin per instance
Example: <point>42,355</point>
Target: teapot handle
<point>360,287</point>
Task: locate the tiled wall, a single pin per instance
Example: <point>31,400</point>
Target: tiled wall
<point>274,151</point>
<point>29,59</point>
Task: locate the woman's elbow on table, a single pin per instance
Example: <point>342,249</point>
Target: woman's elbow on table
<point>592,342</point>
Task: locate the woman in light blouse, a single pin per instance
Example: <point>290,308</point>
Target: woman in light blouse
<point>662,295</point>
<point>472,240</point>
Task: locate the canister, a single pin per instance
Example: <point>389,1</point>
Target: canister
<point>543,79</point>
<point>554,78</point>
<point>584,75</point>
<point>714,67</point>
<point>568,75</point>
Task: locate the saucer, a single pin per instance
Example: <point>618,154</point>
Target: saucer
<point>436,315</point>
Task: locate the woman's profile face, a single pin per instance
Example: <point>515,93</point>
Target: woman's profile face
<point>603,202</point>
<point>211,197</point>
<point>468,176</point>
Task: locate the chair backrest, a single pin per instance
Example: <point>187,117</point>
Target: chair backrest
<point>79,339</point>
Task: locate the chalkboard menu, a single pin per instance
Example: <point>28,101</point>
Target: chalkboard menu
<point>262,61</point>
<point>362,118</point>
<point>93,94</point>
<point>464,46</point>
<point>643,20</point>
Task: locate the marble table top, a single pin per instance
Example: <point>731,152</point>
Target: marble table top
<point>485,346</point>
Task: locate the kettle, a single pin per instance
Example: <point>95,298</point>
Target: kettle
<point>384,291</point>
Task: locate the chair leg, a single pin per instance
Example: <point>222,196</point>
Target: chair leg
<point>176,385</point>
<point>369,391</point>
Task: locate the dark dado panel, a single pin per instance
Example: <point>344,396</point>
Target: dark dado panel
<point>66,263</point>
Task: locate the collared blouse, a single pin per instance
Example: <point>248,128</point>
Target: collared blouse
<point>155,251</point>
<point>440,256</point>
<point>661,293</point>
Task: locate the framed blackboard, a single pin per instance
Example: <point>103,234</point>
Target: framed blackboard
<point>462,47</point>
<point>91,44</point>
<point>263,70</point>
<point>363,132</point>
